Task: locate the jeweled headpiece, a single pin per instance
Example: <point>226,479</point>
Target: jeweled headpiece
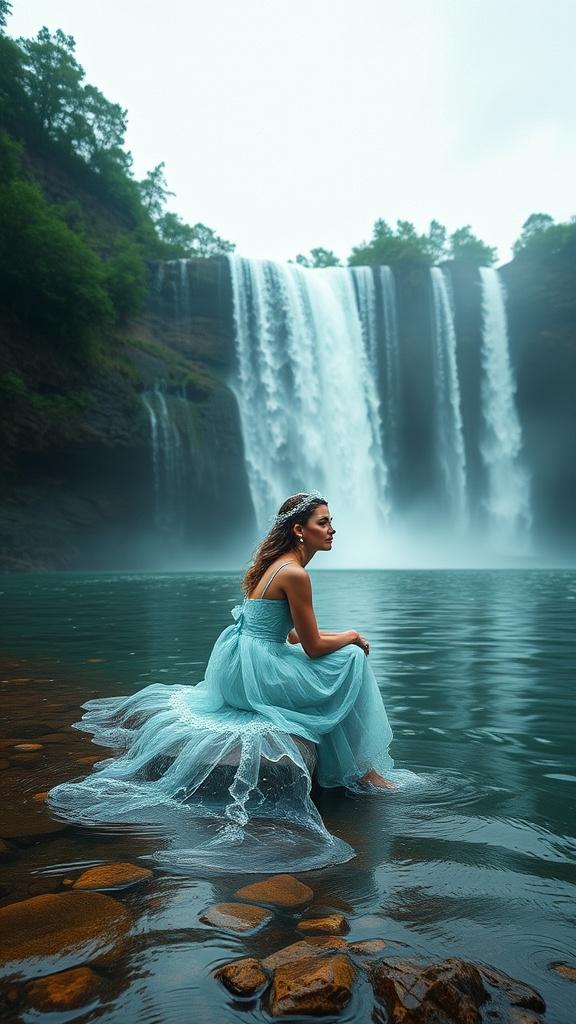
<point>302,505</point>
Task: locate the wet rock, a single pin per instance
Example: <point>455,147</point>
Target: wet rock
<point>518,993</point>
<point>566,970</point>
<point>279,891</point>
<point>243,977</point>
<point>91,759</point>
<point>24,759</point>
<point>309,947</point>
<point>236,917</point>
<point>332,924</point>
<point>65,991</point>
<point>41,798</point>
<point>112,876</point>
<point>449,992</point>
<point>73,927</point>
<point>28,748</point>
<point>313,986</point>
<point>367,947</point>
<point>518,1016</point>
<point>22,817</point>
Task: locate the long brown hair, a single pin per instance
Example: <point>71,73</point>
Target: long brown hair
<point>280,538</point>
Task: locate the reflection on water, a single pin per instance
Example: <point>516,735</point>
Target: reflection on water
<point>476,669</point>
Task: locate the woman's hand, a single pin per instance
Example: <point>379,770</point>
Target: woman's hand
<point>362,643</point>
<point>292,637</point>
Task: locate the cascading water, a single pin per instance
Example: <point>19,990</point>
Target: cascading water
<point>450,431</point>
<point>391,361</point>
<point>171,438</point>
<point>507,498</point>
<point>307,395</point>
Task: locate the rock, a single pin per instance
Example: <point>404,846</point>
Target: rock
<point>26,759</point>
<point>236,917</point>
<point>311,946</point>
<point>41,798</point>
<point>449,992</point>
<point>518,993</point>
<point>90,759</point>
<point>112,876</point>
<point>367,947</point>
<point>4,763</point>
<point>312,986</point>
<point>566,970</point>
<point>28,748</point>
<point>23,818</point>
<point>243,977</point>
<point>72,927</point>
<point>65,991</point>
<point>518,1016</point>
<point>278,891</point>
<point>333,924</point>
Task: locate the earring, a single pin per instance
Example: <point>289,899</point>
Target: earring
<point>301,540</point>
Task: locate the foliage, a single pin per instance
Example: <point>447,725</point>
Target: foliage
<point>545,266</point>
<point>389,245</point>
<point>533,228</point>
<point>125,278</point>
<point>184,240</point>
<point>318,257</point>
<point>154,191</point>
<point>5,12</point>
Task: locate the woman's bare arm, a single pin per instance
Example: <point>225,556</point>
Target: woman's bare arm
<point>298,590</point>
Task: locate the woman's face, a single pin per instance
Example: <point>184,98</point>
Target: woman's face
<point>318,531</point>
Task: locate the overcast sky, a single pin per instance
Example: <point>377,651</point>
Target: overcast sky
<point>289,125</point>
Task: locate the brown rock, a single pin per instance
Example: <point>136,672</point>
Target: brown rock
<point>25,759</point>
<point>28,748</point>
<point>236,917</point>
<point>313,986</point>
<point>449,992</point>
<point>73,926</point>
<point>90,759</point>
<point>333,924</point>
<point>310,947</point>
<point>23,818</point>
<point>518,993</point>
<point>64,991</point>
<point>279,891</point>
<point>566,970</point>
<point>243,977</point>
<point>112,876</point>
<point>518,1016</point>
<point>367,947</point>
<point>40,798</point>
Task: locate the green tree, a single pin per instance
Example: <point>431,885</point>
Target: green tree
<point>465,246</point>
<point>125,278</point>
<point>536,225</point>
<point>318,258</point>
<point>5,12</point>
<point>207,243</point>
<point>53,80</point>
<point>176,234</point>
<point>154,191</point>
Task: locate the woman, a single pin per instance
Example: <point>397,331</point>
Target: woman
<point>236,752</point>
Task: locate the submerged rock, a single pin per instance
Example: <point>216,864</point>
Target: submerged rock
<point>332,924</point>
<point>310,947</point>
<point>28,748</point>
<point>450,992</point>
<point>65,991</point>
<point>278,891</point>
<point>518,993</point>
<point>112,876</point>
<point>236,917</point>
<point>243,977</point>
<point>367,947</point>
<point>313,986</point>
<point>566,970</point>
<point>73,927</point>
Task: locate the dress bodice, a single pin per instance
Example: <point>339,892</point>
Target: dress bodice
<point>264,618</point>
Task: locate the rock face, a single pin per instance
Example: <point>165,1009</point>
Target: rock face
<point>65,991</point>
<point>517,993</point>
<point>312,986</point>
<point>450,992</point>
<point>71,927</point>
<point>278,891</point>
<point>333,924</point>
<point>242,978</point>
<point>236,917</point>
<point>112,876</point>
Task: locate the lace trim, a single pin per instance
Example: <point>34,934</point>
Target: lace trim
<point>217,722</point>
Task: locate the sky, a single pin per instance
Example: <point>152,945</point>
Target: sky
<point>285,126</point>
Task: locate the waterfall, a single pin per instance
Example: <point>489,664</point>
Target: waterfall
<point>450,432</point>
<point>307,393</point>
<point>507,499</point>
<point>172,443</point>
<point>391,360</point>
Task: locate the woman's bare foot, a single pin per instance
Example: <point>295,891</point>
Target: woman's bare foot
<point>374,779</point>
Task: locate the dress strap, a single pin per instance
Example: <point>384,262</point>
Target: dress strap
<point>276,571</point>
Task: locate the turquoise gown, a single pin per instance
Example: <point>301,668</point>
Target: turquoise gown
<point>225,767</point>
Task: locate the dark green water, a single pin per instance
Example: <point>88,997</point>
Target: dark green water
<point>477,672</point>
